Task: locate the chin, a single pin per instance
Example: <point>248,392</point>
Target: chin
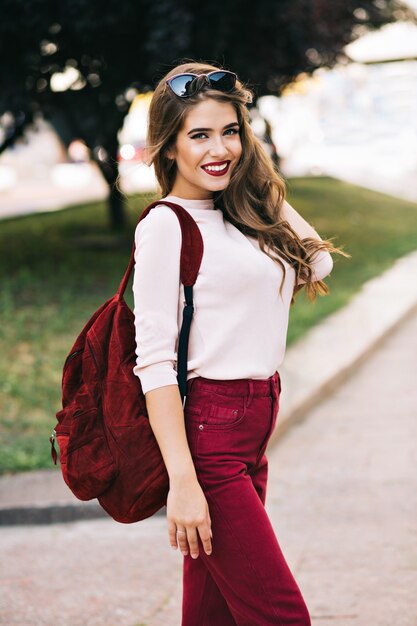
<point>217,184</point>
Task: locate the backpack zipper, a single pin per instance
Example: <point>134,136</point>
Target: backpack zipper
<point>93,355</point>
<point>100,382</point>
<point>52,440</point>
<point>53,451</point>
<point>70,357</point>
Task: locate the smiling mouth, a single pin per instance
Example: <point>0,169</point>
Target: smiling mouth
<point>217,170</point>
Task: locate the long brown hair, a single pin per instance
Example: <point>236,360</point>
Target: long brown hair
<point>252,200</point>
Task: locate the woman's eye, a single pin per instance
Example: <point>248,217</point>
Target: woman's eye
<point>234,131</point>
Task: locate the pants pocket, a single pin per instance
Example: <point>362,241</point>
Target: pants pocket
<point>223,412</point>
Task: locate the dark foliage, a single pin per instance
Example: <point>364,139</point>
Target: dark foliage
<point>118,44</point>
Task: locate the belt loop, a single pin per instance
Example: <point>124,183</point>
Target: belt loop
<point>191,383</point>
<point>276,386</point>
<point>250,396</point>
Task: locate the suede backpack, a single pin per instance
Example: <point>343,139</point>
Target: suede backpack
<point>107,448</point>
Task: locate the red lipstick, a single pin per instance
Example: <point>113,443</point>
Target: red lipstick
<point>219,168</point>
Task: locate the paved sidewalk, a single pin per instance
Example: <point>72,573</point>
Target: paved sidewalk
<point>342,496</point>
<point>343,493</point>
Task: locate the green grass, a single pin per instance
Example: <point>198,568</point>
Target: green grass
<point>374,228</point>
<point>57,268</point>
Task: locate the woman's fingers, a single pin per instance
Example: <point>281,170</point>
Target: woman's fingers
<point>177,537</point>
<point>182,540</point>
<point>186,535</point>
<point>193,541</point>
<point>209,522</point>
<point>187,539</point>
<point>205,535</point>
<point>172,534</point>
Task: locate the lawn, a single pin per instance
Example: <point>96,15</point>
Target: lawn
<point>58,267</point>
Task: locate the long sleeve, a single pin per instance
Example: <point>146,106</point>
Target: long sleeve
<point>322,262</point>
<point>156,284</point>
<point>322,266</point>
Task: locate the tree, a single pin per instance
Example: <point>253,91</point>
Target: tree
<point>116,49</point>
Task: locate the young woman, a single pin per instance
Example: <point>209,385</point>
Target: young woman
<point>258,251</point>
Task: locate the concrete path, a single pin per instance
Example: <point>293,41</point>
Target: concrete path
<point>342,497</point>
<point>343,493</point>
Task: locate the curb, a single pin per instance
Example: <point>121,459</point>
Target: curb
<point>55,513</point>
<point>310,372</point>
<point>49,514</point>
<point>42,497</point>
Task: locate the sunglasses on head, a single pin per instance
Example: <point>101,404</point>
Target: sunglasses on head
<point>186,85</point>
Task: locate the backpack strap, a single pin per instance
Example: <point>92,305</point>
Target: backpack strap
<point>192,249</point>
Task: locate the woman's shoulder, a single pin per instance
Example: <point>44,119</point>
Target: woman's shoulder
<point>161,221</point>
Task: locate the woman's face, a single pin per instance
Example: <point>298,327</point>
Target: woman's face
<point>209,137</point>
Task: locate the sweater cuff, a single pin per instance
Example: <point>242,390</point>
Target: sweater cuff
<point>323,265</point>
<point>156,375</point>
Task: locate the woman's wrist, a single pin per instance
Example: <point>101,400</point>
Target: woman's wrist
<point>183,472</point>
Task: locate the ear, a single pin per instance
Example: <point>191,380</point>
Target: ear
<point>170,154</point>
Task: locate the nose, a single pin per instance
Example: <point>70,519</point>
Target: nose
<point>218,148</point>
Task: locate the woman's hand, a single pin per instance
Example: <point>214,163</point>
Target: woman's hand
<point>187,510</point>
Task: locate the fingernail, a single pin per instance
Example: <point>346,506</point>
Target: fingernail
<point>174,547</point>
<point>194,556</point>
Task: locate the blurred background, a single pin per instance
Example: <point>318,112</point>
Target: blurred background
<point>335,94</point>
<point>335,101</point>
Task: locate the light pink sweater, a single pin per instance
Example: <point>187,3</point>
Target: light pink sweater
<point>240,322</point>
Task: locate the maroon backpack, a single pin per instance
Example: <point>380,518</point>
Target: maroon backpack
<point>107,448</point>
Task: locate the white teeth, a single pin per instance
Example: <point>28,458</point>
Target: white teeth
<point>215,168</point>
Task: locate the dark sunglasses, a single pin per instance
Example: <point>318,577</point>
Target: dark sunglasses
<point>185,85</point>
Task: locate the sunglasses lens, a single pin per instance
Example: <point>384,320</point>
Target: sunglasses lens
<point>223,81</point>
<point>185,85</point>
<point>181,85</point>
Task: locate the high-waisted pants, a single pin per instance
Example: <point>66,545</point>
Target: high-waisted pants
<point>245,580</point>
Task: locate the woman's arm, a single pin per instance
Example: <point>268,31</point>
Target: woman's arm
<point>322,263</point>
<point>166,417</point>
<point>156,285</point>
<point>187,506</point>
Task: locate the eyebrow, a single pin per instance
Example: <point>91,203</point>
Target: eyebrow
<point>224,127</point>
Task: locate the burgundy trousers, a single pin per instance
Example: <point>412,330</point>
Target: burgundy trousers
<point>245,581</point>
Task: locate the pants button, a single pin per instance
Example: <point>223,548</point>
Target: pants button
<point>201,426</point>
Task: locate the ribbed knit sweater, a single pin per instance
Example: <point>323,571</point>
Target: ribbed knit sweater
<point>239,325</point>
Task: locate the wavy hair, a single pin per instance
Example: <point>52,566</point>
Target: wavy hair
<point>253,198</point>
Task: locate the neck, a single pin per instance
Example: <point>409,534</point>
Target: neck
<point>190,195</point>
<point>196,203</point>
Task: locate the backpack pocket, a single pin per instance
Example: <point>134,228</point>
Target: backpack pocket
<point>86,461</point>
